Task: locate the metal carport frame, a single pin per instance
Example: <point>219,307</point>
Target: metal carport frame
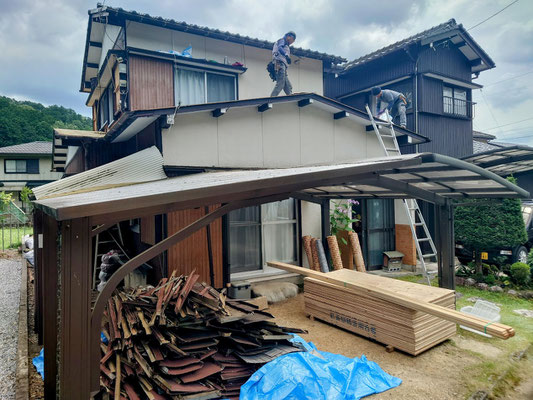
<point>68,222</point>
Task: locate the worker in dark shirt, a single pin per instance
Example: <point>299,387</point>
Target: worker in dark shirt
<point>281,56</point>
<point>395,103</point>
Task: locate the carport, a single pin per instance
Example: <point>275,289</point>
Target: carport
<point>64,227</point>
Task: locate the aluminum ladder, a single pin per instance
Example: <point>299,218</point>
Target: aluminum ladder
<point>389,143</point>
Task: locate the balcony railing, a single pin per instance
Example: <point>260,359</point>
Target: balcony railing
<point>458,107</point>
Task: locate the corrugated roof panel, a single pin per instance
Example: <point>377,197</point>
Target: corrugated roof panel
<point>143,166</point>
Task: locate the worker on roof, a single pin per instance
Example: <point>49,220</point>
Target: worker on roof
<point>395,103</point>
<point>281,57</point>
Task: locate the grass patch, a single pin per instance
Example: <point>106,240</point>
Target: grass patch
<point>12,237</point>
<point>497,375</point>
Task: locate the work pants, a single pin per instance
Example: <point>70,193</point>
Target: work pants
<point>399,109</point>
<point>282,80</point>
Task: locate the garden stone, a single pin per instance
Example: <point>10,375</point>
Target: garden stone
<point>470,282</point>
<point>482,286</point>
<point>512,292</point>
<point>458,295</point>
<point>460,281</point>
<point>474,299</point>
<point>526,294</point>
<point>496,288</point>
<point>524,313</point>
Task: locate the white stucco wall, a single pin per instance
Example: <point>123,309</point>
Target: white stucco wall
<point>310,224</point>
<point>305,73</point>
<point>110,37</point>
<point>286,136</point>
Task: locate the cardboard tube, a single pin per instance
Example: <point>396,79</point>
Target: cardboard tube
<point>335,252</point>
<point>316,264</point>
<point>357,253</point>
<point>307,247</point>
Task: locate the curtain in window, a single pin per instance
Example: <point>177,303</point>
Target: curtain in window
<point>190,87</point>
<point>460,101</point>
<point>11,166</point>
<point>279,231</point>
<point>220,88</point>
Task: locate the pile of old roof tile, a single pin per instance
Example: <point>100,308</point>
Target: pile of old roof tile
<point>185,340</point>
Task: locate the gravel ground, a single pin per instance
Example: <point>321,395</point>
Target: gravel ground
<point>10,278</point>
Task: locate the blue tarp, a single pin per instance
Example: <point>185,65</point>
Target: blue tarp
<point>315,374</point>
<point>39,363</point>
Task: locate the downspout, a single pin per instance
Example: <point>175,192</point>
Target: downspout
<point>416,90</point>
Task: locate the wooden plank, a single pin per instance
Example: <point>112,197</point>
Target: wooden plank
<point>495,329</point>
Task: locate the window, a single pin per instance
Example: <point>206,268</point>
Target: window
<point>262,233</point>
<point>197,87</point>
<point>106,107</point>
<point>30,166</point>
<point>454,100</point>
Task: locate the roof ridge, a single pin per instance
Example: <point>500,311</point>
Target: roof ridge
<point>450,24</point>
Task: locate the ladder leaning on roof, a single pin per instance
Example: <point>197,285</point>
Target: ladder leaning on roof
<point>390,146</point>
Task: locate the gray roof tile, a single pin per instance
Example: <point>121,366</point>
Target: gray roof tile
<point>39,147</point>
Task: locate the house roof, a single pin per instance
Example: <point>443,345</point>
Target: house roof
<point>38,147</point>
<point>483,135</point>
<point>504,159</point>
<point>134,121</point>
<point>448,29</point>
<point>114,14</point>
<point>431,177</point>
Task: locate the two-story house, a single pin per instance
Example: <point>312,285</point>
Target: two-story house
<point>26,164</point>
<point>435,69</point>
<point>199,95</point>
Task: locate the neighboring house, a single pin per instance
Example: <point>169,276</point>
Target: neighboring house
<point>435,69</point>
<point>27,164</point>
<point>210,111</point>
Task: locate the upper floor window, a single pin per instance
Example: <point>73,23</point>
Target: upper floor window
<point>194,86</point>
<point>29,166</point>
<point>454,100</point>
<point>106,108</point>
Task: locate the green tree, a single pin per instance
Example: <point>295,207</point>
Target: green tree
<point>488,224</point>
<point>26,121</point>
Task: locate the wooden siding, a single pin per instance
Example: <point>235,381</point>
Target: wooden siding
<point>449,136</point>
<point>151,83</point>
<point>447,61</point>
<point>192,252</point>
<point>77,164</point>
<point>386,69</point>
<point>430,95</point>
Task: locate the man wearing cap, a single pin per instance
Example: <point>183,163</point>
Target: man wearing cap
<point>395,103</point>
<point>281,53</point>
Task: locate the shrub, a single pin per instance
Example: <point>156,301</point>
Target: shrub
<point>490,279</point>
<point>520,273</point>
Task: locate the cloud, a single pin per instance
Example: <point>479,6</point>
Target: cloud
<point>42,42</point>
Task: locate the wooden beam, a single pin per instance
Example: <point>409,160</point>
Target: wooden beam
<point>99,229</point>
<point>75,309</point>
<point>50,279</point>
<point>95,44</point>
<point>341,114</point>
<point>264,107</point>
<point>38,216</point>
<point>92,65</point>
<point>480,324</point>
<point>219,112</point>
<point>137,261</point>
<point>305,102</point>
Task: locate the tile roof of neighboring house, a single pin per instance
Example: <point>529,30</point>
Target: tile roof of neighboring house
<point>483,135</point>
<point>481,147</point>
<point>448,26</point>
<point>39,147</point>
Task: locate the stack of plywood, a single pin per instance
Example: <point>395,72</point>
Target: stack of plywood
<point>403,328</point>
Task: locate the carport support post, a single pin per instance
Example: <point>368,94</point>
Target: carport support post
<point>325,225</point>
<point>445,244</point>
<point>38,260</point>
<point>76,278</point>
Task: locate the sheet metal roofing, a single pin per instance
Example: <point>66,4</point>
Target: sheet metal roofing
<point>446,27</point>
<point>39,147</point>
<point>504,159</point>
<point>431,177</point>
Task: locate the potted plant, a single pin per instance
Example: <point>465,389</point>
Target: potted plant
<point>341,220</point>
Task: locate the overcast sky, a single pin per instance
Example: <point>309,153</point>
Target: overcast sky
<point>42,42</point>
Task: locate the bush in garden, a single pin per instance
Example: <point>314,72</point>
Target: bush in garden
<point>520,273</point>
<point>490,224</point>
<point>490,279</point>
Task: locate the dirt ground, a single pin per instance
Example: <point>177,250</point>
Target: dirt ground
<point>435,374</point>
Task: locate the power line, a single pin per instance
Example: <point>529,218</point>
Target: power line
<point>510,123</point>
<point>488,107</point>
<point>493,15</point>
<point>509,79</point>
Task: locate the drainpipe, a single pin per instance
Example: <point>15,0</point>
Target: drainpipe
<point>416,99</point>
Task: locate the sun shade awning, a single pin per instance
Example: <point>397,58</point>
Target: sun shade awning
<point>431,177</point>
<point>504,161</point>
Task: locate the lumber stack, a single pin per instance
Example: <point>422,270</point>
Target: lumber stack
<point>403,328</point>
<point>184,340</point>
